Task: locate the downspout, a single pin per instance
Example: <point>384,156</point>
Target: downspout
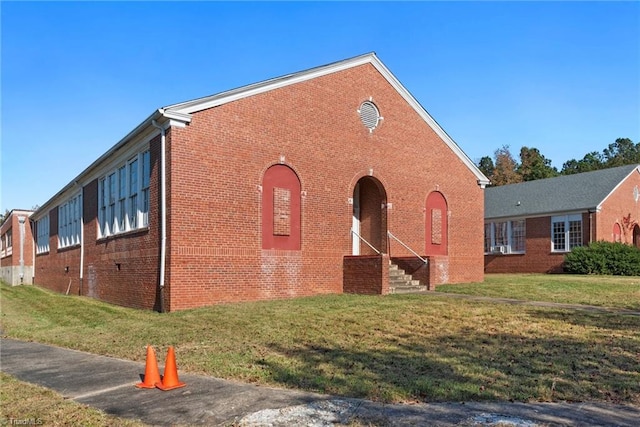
<point>163,211</point>
<point>81,244</point>
<point>21,220</point>
<point>33,252</point>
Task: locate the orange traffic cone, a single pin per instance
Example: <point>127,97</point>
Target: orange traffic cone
<point>170,379</point>
<point>151,373</point>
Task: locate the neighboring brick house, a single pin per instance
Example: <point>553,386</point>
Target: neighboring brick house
<point>16,248</point>
<point>530,226</point>
<point>269,191</point>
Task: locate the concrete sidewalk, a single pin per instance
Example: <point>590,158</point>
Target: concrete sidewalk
<point>108,384</point>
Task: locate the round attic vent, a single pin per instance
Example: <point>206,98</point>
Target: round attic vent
<point>369,115</point>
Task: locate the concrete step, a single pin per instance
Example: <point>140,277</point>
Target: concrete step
<point>407,289</point>
<point>402,283</point>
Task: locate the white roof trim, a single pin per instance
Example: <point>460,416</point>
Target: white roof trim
<point>185,109</point>
<point>635,170</point>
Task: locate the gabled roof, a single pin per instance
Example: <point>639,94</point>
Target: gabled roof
<point>180,114</point>
<point>569,193</point>
<point>185,109</point>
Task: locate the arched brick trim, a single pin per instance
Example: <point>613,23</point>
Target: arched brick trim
<point>281,209</point>
<point>436,224</point>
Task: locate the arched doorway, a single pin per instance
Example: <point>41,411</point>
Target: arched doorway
<point>369,226</point>
<point>636,236</point>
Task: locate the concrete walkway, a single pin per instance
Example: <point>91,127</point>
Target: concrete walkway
<point>107,383</point>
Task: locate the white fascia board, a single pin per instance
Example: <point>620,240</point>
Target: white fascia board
<point>482,180</point>
<point>200,104</point>
<point>635,170</point>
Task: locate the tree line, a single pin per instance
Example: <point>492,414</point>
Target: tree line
<point>503,168</point>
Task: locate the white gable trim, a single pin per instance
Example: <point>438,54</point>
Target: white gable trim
<point>185,109</point>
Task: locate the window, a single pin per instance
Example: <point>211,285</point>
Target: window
<point>42,236</point>
<point>146,178</point>
<point>505,237</point>
<point>566,232</point>
<point>69,223</point>
<point>123,197</point>
<point>7,241</point>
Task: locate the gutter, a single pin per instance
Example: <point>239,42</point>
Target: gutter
<point>163,211</point>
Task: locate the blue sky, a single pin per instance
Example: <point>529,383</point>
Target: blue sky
<point>563,77</point>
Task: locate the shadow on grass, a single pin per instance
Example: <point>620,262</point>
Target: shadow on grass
<point>613,322</point>
<point>466,367</point>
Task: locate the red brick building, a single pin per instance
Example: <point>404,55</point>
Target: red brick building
<point>530,226</point>
<point>16,248</point>
<point>304,184</point>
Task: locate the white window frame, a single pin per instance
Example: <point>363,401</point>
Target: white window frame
<point>125,210</point>
<point>566,220</point>
<point>70,222</point>
<point>506,244</point>
<point>42,235</point>
<point>8,242</point>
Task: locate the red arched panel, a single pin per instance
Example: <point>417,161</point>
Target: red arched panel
<point>280,209</point>
<point>617,233</point>
<point>436,225</point>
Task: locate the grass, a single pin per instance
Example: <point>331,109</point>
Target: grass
<point>395,348</point>
<point>606,291</point>
<point>28,404</point>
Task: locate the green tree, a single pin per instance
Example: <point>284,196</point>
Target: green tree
<point>533,165</point>
<point>590,162</point>
<point>486,166</point>
<point>622,152</point>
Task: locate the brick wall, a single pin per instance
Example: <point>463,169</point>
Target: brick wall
<point>218,163</point>
<point>121,269</point>
<point>620,208</point>
<point>368,274</point>
<point>215,171</point>
<point>538,257</point>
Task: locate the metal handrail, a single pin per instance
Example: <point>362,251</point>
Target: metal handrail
<point>364,240</point>
<point>407,247</point>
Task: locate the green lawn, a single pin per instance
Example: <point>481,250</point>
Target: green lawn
<point>28,404</point>
<point>394,348</point>
<point>606,291</point>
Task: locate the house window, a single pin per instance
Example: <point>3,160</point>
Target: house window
<point>487,236</point>
<point>505,237</point>
<point>146,178</point>
<point>69,222</point>
<point>42,236</point>
<point>123,197</point>
<point>7,240</point>
<point>566,232</point>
